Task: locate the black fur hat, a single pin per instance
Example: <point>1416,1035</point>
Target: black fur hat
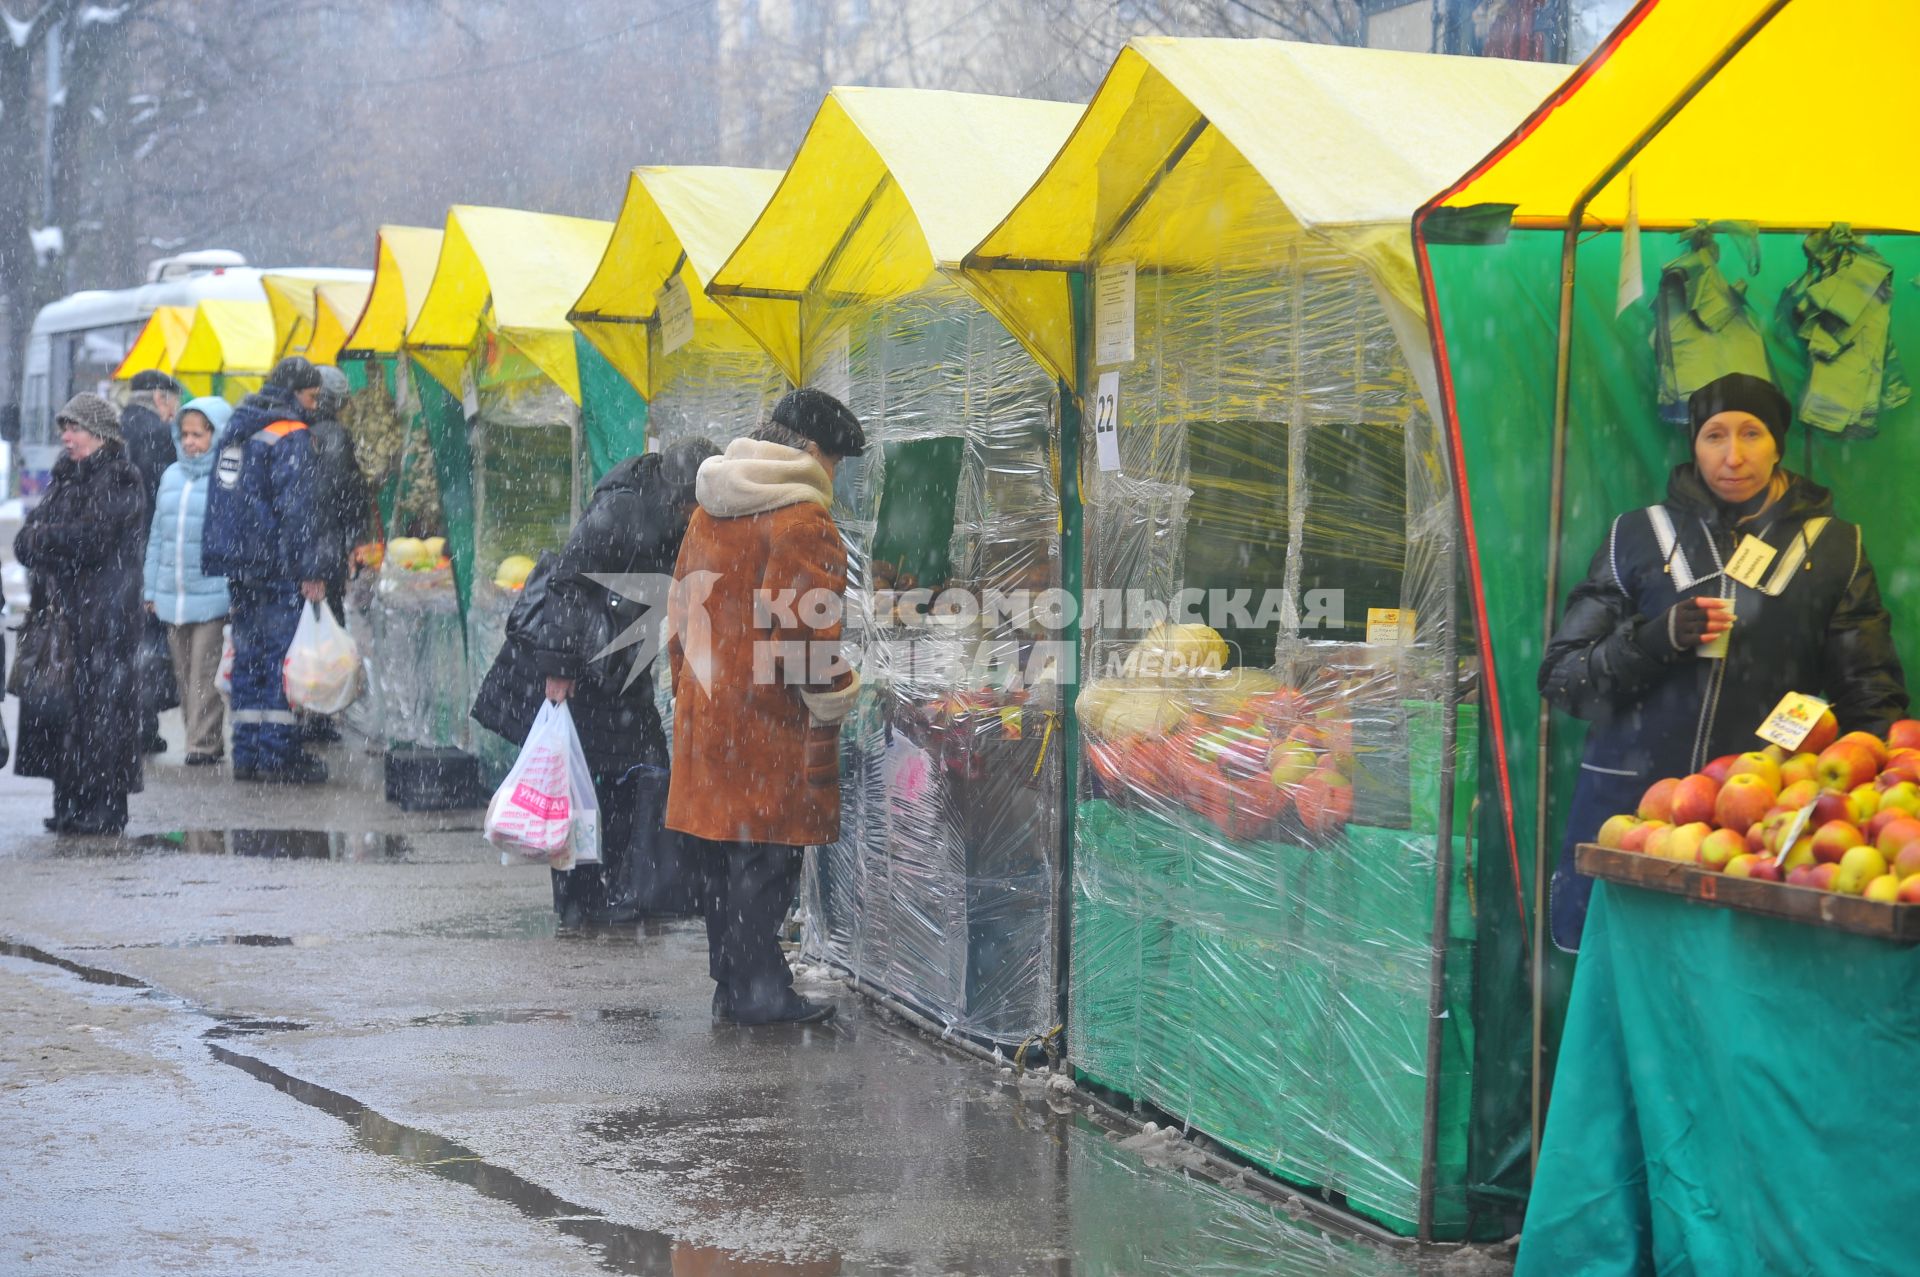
<point>818,416</point>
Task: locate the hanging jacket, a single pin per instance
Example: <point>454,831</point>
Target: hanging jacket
<point>1703,326</point>
<point>1840,309</point>
<point>180,591</point>
<point>1817,626</point>
<point>262,509</point>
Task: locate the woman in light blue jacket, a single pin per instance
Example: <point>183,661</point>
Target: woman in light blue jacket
<point>192,605</point>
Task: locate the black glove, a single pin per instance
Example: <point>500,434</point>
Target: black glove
<point>1676,631</point>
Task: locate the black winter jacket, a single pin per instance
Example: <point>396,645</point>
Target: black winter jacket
<point>633,523</point>
<point>1816,626</point>
<point>149,443</point>
<point>340,490</point>
<point>85,544</point>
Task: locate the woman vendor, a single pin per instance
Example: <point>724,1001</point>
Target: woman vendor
<point>1638,653</point>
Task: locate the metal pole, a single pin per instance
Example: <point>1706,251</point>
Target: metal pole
<point>1562,380</point>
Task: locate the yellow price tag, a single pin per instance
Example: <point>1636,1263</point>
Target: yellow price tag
<point>1791,720</point>
<point>1750,561</point>
<point>1390,626</point>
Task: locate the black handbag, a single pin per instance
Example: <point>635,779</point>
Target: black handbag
<point>158,690</point>
<point>44,664</point>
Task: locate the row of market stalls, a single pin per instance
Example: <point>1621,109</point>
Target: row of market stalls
<point>1164,364</point>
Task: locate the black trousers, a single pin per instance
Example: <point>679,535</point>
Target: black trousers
<point>750,887</point>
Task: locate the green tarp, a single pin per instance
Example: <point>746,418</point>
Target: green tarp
<point>613,416</point>
<point>1732,1099</point>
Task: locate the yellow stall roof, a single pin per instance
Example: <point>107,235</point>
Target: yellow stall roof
<point>232,338</point>
<point>676,222</point>
<point>159,344</point>
<point>956,161</point>
<point>1349,141</point>
<point>290,298</point>
<point>336,307</point>
<point>518,273</point>
<point>1710,106</point>
<point>404,258</point>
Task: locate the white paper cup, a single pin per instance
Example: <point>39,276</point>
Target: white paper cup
<point>1717,650</point>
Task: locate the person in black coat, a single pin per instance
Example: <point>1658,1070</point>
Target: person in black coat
<point>146,427</point>
<point>1634,654</point>
<point>341,505</point>
<point>633,525</point>
<point>85,545</point>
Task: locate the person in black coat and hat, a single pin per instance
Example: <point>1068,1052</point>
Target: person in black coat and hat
<point>146,429</point>
<point>632,527</point>
<point>85,545</point>
<point>1636,653</point>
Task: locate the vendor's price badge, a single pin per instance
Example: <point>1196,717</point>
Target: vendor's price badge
<point>1750,561</point>
<point>1791,721</point>
<point>1390,626</point>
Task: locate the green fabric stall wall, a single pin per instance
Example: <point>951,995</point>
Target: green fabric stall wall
<point>446,424</point>
<point>1498,311</point>
<point>613,416</point>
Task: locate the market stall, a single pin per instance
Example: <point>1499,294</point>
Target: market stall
<point>942,890</point>
<point>229,349</point>
<point>1557,365</point>
<point>403,602</point>
<point>1278,900</point>
<point>647,315</point>
<point>508,449</point>
<point>293,299</point>
<point>162,339</point>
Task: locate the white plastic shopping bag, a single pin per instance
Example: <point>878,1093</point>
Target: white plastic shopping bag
<point>322,668</point>
<point>223,677</point>
<point>545,809</point>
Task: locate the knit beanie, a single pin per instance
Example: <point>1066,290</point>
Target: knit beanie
<point>294,374</point>
<point>91,413</point>
<point>817,416</point>
<point>1743,392</point>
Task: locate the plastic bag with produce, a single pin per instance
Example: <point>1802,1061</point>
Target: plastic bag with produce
<point>322,669</point>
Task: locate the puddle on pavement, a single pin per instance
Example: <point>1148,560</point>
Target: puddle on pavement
<point>621,1248</point>
<point>279,844</point>
<point>533,1015</point>
<point>241,1027</point>
<point>92,975</point>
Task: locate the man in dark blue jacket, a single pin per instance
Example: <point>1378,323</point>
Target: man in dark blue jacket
<point>263,535</point>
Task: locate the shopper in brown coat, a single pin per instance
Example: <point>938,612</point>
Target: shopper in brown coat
<point>759,691</point>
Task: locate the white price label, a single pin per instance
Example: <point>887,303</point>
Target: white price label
<point>1390,626</point>
<point>469,394</point>
<point>1106,421</point>
<point>675,308</point>
<point>1791,721</point>
<point>1113,314</point>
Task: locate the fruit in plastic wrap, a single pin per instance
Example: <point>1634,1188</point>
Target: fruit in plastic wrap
<point>1177,648</point>
<point>1324,801</point>
<point>1115,708</point>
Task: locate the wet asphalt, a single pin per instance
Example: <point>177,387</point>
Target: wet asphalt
<point>291,1031</point>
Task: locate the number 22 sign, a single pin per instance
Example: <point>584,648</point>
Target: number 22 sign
<point>1106,421</point>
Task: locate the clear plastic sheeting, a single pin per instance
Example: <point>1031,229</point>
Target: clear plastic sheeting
<point>1255,857</point>
<point>419,673</point>
<point>942,887</point>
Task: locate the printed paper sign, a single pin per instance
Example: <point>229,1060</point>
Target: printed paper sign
<point>469,394</point>
<point>1750,561</point>
<point>1390,626</point>
<point>1113,314</point>
<point>675,309</point>
<point>1791,720</point>
<point>1106,421</point>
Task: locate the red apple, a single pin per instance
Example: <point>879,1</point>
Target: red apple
<point>1824,733</point>
<point>1863,801</point>
<point>1801,853</point>
<point>1718,849</point>
<point>1720,768</point>
<point>1798,768</point>
<point>1872,744</point>
<point>1901,796</point>
<point>1834,840</point>
<point>1757,764</point>
<point>1742,802</point>
<point>1757,833</point>
<point>1638,838</point>
<point>1896,834</point>
<point>1830,806</point>
<point>1820,876</point>
<point>1615,830</point>
<point>1881,819</point>
<point>1906,861</point>
<point>1759,868</point>
<point>1800,876</point>
<point>1910,890</point>
<point>1800,793</point>
<point>1767,871</point>
<point>1860,866</point>
<point>1904,734</point>
<point>1846,764</point>
<point>1657,802</point>
<point>1325,801</point>
<point>1884,890</point>
<point>1693,800</point>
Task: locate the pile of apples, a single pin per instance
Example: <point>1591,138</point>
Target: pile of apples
<point>1862,837</point>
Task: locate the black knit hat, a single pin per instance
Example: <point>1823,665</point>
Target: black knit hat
<point>818,416</point>
<point>1743,392</point>
<point>153,379</point>
<point>294,374</point>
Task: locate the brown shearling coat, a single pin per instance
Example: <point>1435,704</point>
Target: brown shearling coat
<point>751,761</point>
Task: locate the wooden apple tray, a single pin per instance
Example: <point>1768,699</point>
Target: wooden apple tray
<point>1899,923</point>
